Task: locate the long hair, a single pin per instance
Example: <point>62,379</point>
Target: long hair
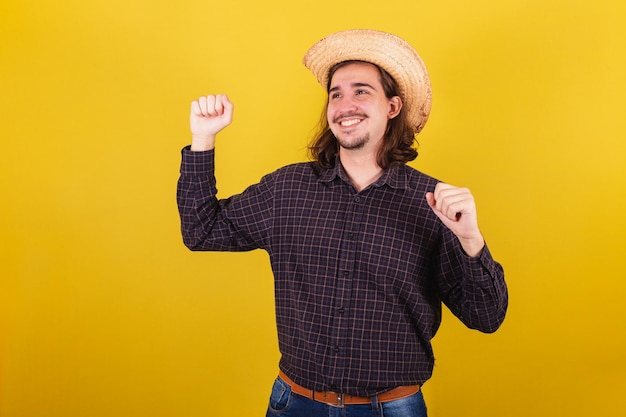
<point>397,146</point>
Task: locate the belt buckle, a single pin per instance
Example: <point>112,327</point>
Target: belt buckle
<point>341,400</point>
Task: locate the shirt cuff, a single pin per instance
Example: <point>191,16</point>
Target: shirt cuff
<point>478,264</point>
<point>197,163</point>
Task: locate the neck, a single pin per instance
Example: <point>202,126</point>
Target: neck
<point>362,169</point>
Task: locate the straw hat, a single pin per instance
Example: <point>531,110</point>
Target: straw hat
<point>390,52</point>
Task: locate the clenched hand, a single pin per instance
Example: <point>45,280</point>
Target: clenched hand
<point>209,115</point>
<point>456,208</point>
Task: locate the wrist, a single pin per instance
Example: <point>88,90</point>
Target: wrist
<point>202,143</point>
<point>473,247</point>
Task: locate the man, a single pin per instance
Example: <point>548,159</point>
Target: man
<point>364,249</point>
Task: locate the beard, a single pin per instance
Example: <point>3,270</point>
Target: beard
<point>354,144</point>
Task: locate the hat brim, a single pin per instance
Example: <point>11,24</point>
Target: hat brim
<point>389,52</point>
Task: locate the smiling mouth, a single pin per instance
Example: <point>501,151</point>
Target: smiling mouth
<point>349,122</point>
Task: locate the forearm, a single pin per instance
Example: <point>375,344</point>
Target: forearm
<point>237,223</point>
<point>196,198</point>
<point>485,283</point>
<point>475,291</point>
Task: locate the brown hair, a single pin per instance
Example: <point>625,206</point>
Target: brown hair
<point>397,146</point>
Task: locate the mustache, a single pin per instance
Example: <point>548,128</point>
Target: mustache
<point>348,115</point>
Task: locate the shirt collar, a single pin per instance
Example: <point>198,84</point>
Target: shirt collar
<point>395,177</point>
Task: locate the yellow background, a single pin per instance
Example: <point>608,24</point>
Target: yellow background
<point>103,312</point>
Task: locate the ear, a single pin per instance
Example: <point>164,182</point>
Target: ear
<point>395,105</point>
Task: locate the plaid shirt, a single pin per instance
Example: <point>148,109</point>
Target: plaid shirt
<point>359,276</point>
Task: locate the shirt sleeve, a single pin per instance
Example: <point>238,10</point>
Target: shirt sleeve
<point>237,223</point>
<point>473,288</point>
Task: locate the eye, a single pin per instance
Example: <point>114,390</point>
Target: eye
<point>335,95</point>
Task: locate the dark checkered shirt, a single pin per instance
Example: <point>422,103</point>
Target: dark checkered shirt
<point>359,276</point>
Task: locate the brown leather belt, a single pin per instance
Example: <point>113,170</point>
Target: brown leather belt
<point>339,400</point>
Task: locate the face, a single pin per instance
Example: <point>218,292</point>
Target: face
<point>358,110</point>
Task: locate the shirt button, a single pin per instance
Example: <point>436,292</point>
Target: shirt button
<point>357,199</point>
<point>340,311</point>
<point>346,273</point>
<point>336,349</point>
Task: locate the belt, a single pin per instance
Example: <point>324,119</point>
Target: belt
<point>337,399</point>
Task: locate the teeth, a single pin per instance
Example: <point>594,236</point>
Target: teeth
<point>350,122</point>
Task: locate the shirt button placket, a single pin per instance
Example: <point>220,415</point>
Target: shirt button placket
<point>347,258</point>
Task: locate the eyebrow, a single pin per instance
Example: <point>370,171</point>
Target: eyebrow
<point>353,85</point>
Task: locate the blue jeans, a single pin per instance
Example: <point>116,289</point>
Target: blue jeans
<point>284,403</point>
